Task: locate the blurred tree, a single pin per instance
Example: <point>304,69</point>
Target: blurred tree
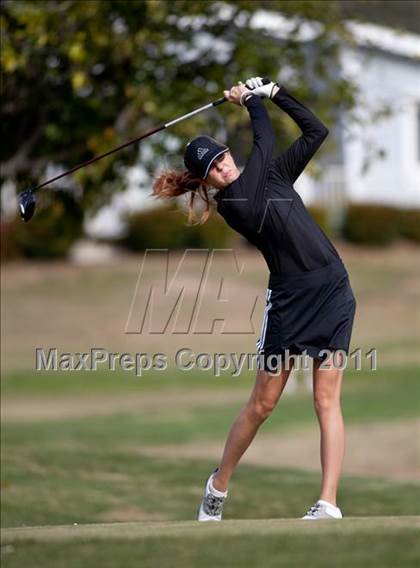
<point>80,77</point>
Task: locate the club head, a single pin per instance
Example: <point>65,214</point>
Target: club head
<point>27,204</point>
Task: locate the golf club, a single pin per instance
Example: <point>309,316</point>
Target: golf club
<point>27,200</point>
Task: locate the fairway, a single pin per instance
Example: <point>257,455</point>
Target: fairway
<point>392,541</point>
<point>192,529</point>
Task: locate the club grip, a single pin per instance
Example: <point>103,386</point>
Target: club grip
<point>219,101</point>
<point>265,81</point>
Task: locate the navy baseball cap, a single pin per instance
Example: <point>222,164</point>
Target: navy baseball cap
<point>200,153</point>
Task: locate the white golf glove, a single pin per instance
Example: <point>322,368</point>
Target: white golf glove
<point>255,84</point>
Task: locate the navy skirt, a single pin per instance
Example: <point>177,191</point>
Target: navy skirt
<point>306,313</point>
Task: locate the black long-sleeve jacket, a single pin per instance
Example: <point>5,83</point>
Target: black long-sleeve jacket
<point>262,204</point>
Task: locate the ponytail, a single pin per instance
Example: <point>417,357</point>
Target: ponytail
<point>172,183</point>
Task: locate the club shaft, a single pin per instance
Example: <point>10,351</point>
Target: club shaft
<point>96,158</point>
<point>133,141</point>
<point>196,111</point>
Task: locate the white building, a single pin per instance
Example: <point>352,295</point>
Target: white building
<point>376,161</point>
<point>387,71</point>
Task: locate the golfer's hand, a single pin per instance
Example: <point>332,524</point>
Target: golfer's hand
<point>235,93</point>
<point>256,85</point>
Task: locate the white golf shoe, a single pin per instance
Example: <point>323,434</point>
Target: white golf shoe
<point>323,510</point>
<point>211,507</point>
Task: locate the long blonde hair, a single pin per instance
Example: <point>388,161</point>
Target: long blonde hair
<point>172,183</point>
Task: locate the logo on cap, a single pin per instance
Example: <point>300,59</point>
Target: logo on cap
<point>201,152</point>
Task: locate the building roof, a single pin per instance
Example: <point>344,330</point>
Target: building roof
<point>365,34</point>
<point>387,39</point>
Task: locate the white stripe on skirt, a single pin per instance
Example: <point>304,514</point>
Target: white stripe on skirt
<point>261,339</point>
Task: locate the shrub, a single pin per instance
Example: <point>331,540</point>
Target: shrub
<point>214,233</point>
<point>409,224</point>
<point>49,234</point>
<point>166,227</point>
<point>320,216</point>
<point>371,224</point>
<point>158,228</point>
<point>9,247</point>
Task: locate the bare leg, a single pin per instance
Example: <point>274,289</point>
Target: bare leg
<point>264,397</point>
<point>327,394</point>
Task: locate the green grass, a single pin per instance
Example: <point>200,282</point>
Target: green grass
<point>385,394</point>
<point>55,383</point>
<point>351,542</point>
<point>68,484</point>
<point>60,383</point>
<point>195,424</point>
<point>77,470</point>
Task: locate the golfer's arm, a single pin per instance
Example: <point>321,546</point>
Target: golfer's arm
<point>256,167</point>
<point>293,160</point>
<point>261,124</point>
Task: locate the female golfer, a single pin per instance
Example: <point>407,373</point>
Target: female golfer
<point>310,305</point>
